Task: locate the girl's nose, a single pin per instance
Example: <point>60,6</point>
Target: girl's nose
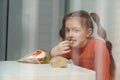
<point>70,34</point>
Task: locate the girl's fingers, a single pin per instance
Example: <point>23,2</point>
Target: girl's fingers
<point>65,42</point>
<point>66,51</point>
<point>66,48</point>
<point>66,45</point>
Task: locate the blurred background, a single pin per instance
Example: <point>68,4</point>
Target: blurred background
<point>28,25</point>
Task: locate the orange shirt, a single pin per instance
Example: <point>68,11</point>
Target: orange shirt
<point>94,55</point>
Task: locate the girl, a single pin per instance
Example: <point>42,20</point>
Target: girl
<point>82,48</point>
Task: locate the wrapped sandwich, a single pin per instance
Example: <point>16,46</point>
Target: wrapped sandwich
<point>39,56</point>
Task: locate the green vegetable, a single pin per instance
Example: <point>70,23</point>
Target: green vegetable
<point>47,58</point>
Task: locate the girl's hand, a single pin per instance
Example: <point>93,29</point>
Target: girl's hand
<point>62,48</point>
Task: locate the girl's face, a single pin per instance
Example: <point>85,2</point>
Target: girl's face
<point>75,32</point>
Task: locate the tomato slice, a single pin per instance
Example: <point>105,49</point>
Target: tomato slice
<point>37,52</point>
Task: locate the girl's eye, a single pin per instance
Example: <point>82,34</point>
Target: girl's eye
<point>76,30</point>
<point>67,30</point>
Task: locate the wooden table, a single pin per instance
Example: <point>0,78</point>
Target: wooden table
<point>12,70</point>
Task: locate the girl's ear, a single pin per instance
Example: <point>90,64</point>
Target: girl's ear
<point>89,32</point>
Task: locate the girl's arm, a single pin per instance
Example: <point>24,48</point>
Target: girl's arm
<point>102,62</point>
<point>62,49</point>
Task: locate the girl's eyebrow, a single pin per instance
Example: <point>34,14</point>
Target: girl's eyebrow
<point>67,28</point>
<point>72,27</point>
<point>75,27</point>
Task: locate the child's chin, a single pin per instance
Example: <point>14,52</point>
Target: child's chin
<point>74,45</point>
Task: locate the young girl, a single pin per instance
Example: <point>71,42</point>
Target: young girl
<point>84,50</point>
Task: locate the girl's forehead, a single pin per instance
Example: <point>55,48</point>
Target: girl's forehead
<point>72,20</point>
<point>77,19</point>
<point>75,22</point>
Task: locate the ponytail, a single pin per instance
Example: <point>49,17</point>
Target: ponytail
<point>112,62</point>
<point>102,33</point>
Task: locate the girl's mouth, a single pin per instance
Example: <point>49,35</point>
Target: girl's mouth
<point>72,41</point>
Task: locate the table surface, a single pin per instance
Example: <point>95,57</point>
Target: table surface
<point>13,70</point>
